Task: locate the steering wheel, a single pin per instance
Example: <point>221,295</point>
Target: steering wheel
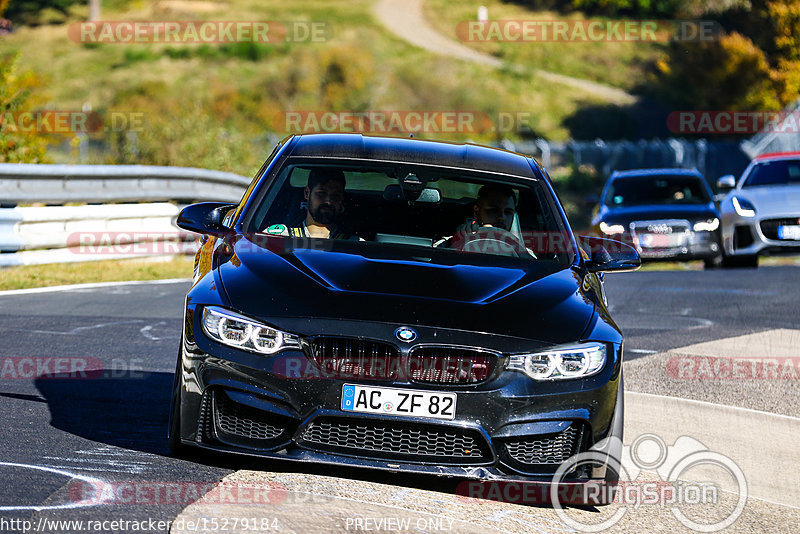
<point>490,240</point>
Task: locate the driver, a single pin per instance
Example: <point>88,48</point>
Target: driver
<point>324,195</point>
<point>495,207</point>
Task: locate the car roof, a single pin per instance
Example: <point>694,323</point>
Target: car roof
<point>643,173</point>
<point>777,155</point>
<point>406,150</point>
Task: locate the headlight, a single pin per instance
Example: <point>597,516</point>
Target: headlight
<point>743,207</point>
<point>572,361</point>
<point>611,229</point>
<point>235,330</point>
<point>706,226</point>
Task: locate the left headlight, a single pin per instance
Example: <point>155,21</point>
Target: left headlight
<point>567,361</point>
<point>237,331</point>
<point>743,207</point>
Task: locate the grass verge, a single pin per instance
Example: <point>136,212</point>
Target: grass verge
<point>57,274</point>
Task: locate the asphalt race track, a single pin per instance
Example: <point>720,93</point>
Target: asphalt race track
<point>93,448</point>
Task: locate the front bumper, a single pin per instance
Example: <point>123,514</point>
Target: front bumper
<point>692,246</point>
<point>507,427</point>
<point>748,236</point>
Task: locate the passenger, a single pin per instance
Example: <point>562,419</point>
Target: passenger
<point>324,195</point>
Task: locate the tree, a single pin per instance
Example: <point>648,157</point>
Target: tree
<point>15,93</point>
<point>784,18</point>
<point>730,73</point>
<point>755,68</point>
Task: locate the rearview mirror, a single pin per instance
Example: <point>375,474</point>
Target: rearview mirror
<point>205,218</point>
<point>608,256</point>
<point>426,195</point>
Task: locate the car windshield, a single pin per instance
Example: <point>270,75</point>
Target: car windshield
<point>781,172</point>
<point>656,189</point>
<point>401,209</point>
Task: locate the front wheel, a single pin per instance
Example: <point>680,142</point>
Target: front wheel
<point>713,263</point>
<point>174,430</point>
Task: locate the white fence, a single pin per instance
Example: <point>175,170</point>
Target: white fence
<point>59,234</point>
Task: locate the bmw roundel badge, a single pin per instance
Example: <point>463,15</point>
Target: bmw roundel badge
<point>405,334</point>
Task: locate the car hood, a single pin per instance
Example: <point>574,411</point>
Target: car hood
<point>778,199</point>
<point>657,212</point>
<point>537,301</point>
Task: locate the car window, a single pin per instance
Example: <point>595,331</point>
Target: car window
<point>781,172</point>
<point>391,205</point>
<point>657,189</point>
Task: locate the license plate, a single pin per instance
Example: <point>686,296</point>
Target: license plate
<point>659,240</point>
<point>392,401</point>
<point>789,232</point>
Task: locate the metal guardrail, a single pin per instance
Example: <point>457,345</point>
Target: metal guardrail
<point>58,184</point>
<point>142,227</point>
<point>64,234</point>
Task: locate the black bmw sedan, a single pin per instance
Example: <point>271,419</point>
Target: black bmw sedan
<point>404,305</point>
<point>666,214</point>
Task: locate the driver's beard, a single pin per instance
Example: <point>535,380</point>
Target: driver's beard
<point>320,216</point>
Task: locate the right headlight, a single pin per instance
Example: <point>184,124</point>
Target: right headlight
<point>611,229</point>
<point>562,362</point>
<point>234,330</point>
<point>706,226</point>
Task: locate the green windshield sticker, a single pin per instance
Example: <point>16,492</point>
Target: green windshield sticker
<point>276,229</point>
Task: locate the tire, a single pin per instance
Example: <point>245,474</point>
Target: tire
<point>713,263</point>
<point>748,261</point>
<point>176,447</point>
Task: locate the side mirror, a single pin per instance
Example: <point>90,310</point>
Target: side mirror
<point>205,218</point>
<point>608,256</point>
<point>726,183</point>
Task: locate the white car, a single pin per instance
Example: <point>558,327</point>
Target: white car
<point>761,212</point>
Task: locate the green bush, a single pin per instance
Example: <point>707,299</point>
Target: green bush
<point>32,11</point>
<point>133,55</point>
<point>17,92</point>
<point>636,8</point>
